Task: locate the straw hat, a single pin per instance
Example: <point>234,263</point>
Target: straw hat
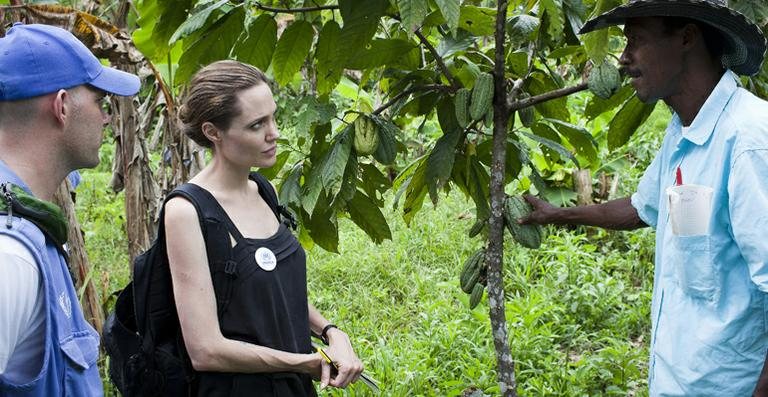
<point>744,42</point>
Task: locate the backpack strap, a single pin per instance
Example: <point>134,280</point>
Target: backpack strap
<point>267,192</point>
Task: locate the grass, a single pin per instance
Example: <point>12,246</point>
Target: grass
<point>577,309</point>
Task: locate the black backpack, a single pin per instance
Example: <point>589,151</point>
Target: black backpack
<point>142,336</point>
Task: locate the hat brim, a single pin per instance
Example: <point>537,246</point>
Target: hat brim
<point>116,82</point>
<point>746,43</point>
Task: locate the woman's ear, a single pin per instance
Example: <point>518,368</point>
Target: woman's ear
<point>211,132</point>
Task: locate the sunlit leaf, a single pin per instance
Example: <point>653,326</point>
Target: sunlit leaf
<point>412,13</point>
<point>257,44</point>
<point>195,21</point>
<point>291,51</point>
<point>328,63</point>
<point>479,21</point>
<point>451,10</point>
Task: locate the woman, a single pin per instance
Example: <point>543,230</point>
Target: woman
<point>260,345</point>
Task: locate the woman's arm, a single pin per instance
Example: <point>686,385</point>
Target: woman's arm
<point>339,349</point>
<point>208,349</point>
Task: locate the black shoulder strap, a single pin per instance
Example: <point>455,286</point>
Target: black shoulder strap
<point>268,193</point>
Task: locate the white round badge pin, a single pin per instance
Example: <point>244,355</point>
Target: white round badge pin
<point>265,258</point>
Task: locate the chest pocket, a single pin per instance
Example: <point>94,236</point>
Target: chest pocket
<point>695,270</point>
<point>80,354</point>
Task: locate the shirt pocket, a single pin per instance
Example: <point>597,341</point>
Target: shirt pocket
<point>81,351</point>
<point>696,272</point>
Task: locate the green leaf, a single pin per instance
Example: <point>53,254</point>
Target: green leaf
<point>415,191</point>
<point>324,230</point>
<point>387,150</point>
<point>195,21</point>
<point>440,162</point>
<point>290,189</point>
<point>540,83</point>
<point>257,43</point>
<point>479,21</point>
<point>348,183</point>
<point>213,45</point>
<point>361,20</point>
<point>328,63</point>
<point>336,161</point>
<point>292,49</point>
<point>381,52</point>
<point>412,13</point>
<point>596,45</point>
<point>582,141</point>
<point>374,182</point>
<point>478,184</point>
<point>271,172</point>
<point>540,129</point>
<point>554,11</point>
<point>451,10</point>
<point>597,106</point>
<point>158,21</point>
<point>627,120</point>
<point>364,212</point>
<point>521,28</point>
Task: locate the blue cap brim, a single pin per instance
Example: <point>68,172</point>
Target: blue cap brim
<point>116,82</point>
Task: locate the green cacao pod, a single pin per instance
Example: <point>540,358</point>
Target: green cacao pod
<point>366,136</point>
<point>477,227</point>
<point>476,296</point>
<point>529,236</point>
<point>604,80</point>
<point>461,102</point>
<point>482,96</point>
<point>470,273</point>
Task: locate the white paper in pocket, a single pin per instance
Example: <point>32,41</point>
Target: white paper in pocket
<point>690,207</point>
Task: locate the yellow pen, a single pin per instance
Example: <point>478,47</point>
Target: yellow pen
<point>365,378</point>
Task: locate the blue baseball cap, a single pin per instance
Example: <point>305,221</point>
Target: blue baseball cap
<point>40,59</point>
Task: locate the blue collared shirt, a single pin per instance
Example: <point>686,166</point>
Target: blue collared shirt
<point>710,294</point>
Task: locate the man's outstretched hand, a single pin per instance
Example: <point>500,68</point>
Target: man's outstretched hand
<point>543,212</point>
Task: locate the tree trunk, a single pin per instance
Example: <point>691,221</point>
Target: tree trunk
<point>78,263</point>
<point>495,251</point>
<point>582,184</point>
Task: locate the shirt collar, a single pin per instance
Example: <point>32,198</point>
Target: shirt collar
<point>705,121</point>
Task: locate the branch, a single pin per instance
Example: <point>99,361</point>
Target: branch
<point>262,7</point>
<point>534,100</point>
<point>438,59</point>
<point>409,91</point>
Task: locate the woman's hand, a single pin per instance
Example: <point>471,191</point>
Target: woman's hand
<point>341,352</point>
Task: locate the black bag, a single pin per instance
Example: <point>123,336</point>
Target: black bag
<point>142,336</point>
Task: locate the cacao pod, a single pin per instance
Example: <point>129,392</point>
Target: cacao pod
<point>461,102</point>
<point>482,96</point>
<point>471,271</point>
<point>366,136</point>
<point>604,80</point>
<point>476,296</point>
<point>477,227</point>
<point>529,236</point>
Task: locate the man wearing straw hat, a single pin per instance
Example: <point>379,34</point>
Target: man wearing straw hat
<point>709,310</point>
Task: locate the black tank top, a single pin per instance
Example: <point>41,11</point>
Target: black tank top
<point>264,307</point>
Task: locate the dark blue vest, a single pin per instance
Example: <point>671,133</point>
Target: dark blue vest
<point>71,344</point>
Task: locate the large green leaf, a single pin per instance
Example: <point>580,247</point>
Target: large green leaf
<point>597,106</point>
<point>257,44</point>
<point>412,13</point>
<point>213,45</point>
<point>361,20</point>
<point>195,21</point>
<point>596,45</point>
<point>292,49</point>
<point>374,182</point>
<point>554,11</point>
<point>541,131</point>
<point>440,162</point>
<point>364,212</point>
<point>323,228</point>
<point>415,191</point>
<point>329,64</point>
<point>157,21</point>
<point>540,83</point>
<point>336,161</point>
<point>381,52</point>
<point>582,141</point>
<point>274,170</point>
<point>520,29</point>
<point>451,10</point>
<point>627,120</point>
<point>479,21</point>
<point>290,189</point>
<point>478,184</point>
<point>387,150</point>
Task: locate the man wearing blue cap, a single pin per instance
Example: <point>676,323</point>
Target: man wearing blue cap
<point>709,311</point>
<point>51,121</point>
